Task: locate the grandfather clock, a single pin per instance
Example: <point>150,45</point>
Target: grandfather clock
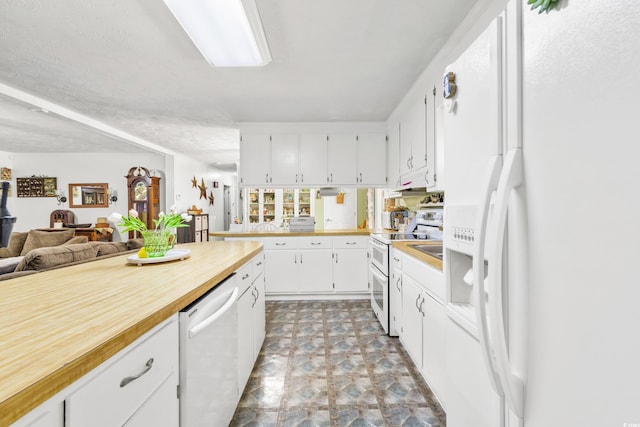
<point>144,194</point>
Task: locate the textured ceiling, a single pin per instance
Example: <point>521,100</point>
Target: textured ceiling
<point>128,64</point>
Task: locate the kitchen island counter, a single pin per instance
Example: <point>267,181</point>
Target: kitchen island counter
<point>59,325</point>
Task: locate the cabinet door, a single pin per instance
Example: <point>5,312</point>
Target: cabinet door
<point>406,137</point>
<point>259,315</point>
<point>48,414</point>
<point>395,303</point>
<point>284,159</point>
<point>411,332</point>
<point>153,412</point>
<point>371,159</point>
<point>439,147</point>
<point>313,160</point>
<point>315,270</point>
<point>280,271</point>
<point>393,155</point>
<point>350,272</point>
<point>419,139</point>
<point>245,336</point>
<point>255,159</point>
<point>430,147</point>
<point>433,345</point>
<point>341,163</point>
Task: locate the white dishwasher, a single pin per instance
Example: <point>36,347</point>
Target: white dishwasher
<point>208,358</point>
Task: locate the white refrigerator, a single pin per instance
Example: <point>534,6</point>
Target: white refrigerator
<point>542,214</point>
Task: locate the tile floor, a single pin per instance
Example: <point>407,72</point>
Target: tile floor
<point>329,363</point>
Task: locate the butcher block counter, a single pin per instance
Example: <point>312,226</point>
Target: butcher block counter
<point>283,233</point>
<point>408,248</point>
<point>58,325</point>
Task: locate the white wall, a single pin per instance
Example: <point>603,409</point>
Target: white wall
<point>73,168</point>
<point>185,169</point>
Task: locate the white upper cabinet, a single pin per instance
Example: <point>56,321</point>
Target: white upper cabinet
<point>393,155</point>
<point>284,159</point>
<point>371,159</point>
<point>413,141</point>
<point>341,166</point>
<point>255,167</point>
<point>313,160</point>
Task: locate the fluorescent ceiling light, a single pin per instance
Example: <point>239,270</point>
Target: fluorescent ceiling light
<point>228,33</point>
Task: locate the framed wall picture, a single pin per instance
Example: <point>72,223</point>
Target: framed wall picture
<point>5,174</point>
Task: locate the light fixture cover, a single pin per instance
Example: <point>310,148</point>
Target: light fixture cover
<point>228,33</point>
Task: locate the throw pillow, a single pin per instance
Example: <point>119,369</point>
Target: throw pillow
<point>76,239</point>
<point>44,239</point>
<point>49,257</point>
<point>16,242</point>
<point>108,248</point>
<point>8,265</point>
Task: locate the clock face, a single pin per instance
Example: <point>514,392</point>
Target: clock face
<point>140,191</point>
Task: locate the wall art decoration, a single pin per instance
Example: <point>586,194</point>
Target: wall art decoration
<point>194,182</point>
<point>203,190</point>
<point>36,186</point>
<point>211,199</point>
<point>5,174</point>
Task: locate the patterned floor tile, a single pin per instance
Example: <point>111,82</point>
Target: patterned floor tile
<point>398,389</point>
<point>309,329</point>
<point>329,363</point>
<point>307,417</point>
<point>282,330</point>
<point>411,417</point>
<point>263,392</point>
<point>340,329</point>
<point>342,344</point>
<point>276,345</point>
<point>272,365</point>
<point>357,417</point>
<point>308,364</point>
<point>354,391</point>
<point>249,417</point>
<point>307,345</point>
<point>382,363</point>
<point>347,364</point>
<point>306,391</point>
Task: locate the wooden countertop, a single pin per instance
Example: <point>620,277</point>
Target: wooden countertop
<point>348,232</point>
<point>58,325</point>
<point>406,247</point>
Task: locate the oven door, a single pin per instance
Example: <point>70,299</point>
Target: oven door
<point>380,255</point>
<point>380,296</point>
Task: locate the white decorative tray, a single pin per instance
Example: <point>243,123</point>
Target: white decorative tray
<point>171,255</point>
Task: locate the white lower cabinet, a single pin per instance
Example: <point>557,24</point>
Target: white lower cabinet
<point>251,317</point>
<point>129,388</point>
<point>48,414</point>
<point>395,292</point>
<point>299,265</point>
<point>423,320</point>
<point>350,268</point>
<point>411,332</point>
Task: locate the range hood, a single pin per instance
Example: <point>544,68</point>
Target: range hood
<point>329,191</point>
<point>408,192</point>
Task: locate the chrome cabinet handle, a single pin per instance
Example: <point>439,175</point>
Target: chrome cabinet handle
<point>281,244</point>
<point>351,243</point>
<point>300,258</point>
<point>259,264</point>
<point>421,310</point>
<point>315,243</point>
<point>417,299</point>
<point>302,178</point>
<point>266,177</point>
<point>146,369</point>
<point>245,276</point>
<point>360,176</point>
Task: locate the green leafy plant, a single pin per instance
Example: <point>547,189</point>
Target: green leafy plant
<point>544,5</point>
<point>132,222</point>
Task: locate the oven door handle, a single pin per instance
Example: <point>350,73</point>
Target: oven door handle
<point>378,273</point>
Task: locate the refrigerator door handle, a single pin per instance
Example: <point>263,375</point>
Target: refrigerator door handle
<point>512,176</point>
<point>482,220</point>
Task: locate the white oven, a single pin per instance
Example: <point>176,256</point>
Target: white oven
<point>379,280</point>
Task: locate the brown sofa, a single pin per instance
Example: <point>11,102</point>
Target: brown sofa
<point>35,251</point>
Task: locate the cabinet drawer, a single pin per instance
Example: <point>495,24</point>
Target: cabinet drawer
<point>313,242</point>
<point>395,258</point>
<point>350,242</point>
<point>429,277</point>
<point>198,222</point>
<point>245,277</point>
<point>258,264</point>
<point>112,396</point>
<point>277,243</point>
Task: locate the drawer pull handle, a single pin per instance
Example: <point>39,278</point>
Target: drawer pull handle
<point>351,243</point>
<point>146,369</point>
<point>315,243</point>
<point>245,276</point>
<point>280,244</point>
<point>259,264</point>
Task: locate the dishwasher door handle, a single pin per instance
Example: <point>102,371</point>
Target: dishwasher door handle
<point>195,330</point>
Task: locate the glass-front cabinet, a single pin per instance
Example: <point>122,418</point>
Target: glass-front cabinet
<point>277,206</point>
